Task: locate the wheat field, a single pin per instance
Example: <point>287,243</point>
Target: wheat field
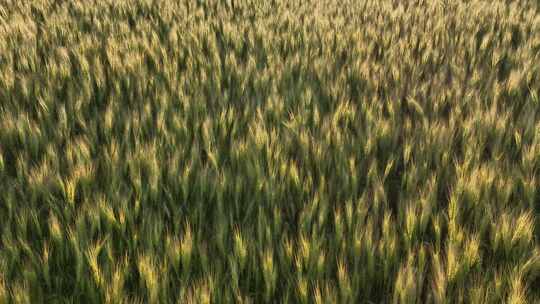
<point>282,151</point>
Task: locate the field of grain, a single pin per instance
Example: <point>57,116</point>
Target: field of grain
<point>281,151</point>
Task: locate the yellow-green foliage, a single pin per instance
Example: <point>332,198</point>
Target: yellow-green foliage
<point>246,151</point>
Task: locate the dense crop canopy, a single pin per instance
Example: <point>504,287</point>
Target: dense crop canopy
<point>245,151</point>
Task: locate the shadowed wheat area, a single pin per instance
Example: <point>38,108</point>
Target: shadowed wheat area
<point>284,151</point>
